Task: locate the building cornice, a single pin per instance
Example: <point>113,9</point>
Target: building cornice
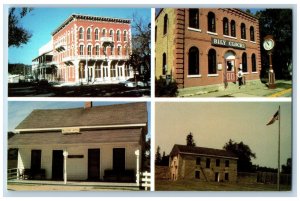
<point>217,156</point>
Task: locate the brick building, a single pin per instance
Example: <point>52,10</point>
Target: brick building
<point>92,49</point>
<point>200,47</point>
<point>100,143</point>
<point>203,164</point>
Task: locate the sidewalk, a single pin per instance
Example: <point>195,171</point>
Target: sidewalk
<point>251,89</point>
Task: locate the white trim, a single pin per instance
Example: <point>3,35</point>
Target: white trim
<point>212,75</point>
<point>83,127</point>
<point>227,36</point>
<point>255,72</point>
<point>194,29</point>
<point>252,41</point>
<point>191,76</point>
<point>212,33</point>
<point>246,73</point>
<point>217,156</point>
<point>244,40</point>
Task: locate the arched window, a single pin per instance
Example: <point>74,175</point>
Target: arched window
<point>194,18</point>
<point>119,50</point>
<point>244,62</point>
<point>193,61</point>
<point>225,26</point>
<point>165,24</point>
<point>164,64</point>
<point>126,51</point>
<point>81,33</point>
<point>243,31</point>
<point>89,50</point>
<point>232,27</point>
<point>125,35</point>
<point>113,70</point>
<point>88,34</point>
<point>118,35</point>
<point>112,49</point>
<point>111,33</point>
<point>212,61</point>
<point>96,34</point>
<point>81,50</point>
<point>103,32</point>
<point>252,37</point>
<point>97,50</point>
<point>211,22</point>
<point>253,59</point>
<point>97,71</point>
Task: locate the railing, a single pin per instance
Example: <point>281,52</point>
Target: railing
<point>146,180</point>
<point>12,173</point>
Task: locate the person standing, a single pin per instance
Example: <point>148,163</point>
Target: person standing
<point>240,77</point>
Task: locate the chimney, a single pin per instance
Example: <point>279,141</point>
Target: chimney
<point>88,105</point>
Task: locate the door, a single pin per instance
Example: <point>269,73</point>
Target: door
<point>57,164</point>
<point>119,159</point>
<point>230,70</point>
<point>35,165</point>
<point>93,164</point>
<point>217,176</point>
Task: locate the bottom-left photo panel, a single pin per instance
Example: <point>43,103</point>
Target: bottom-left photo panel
<point>78,146</point>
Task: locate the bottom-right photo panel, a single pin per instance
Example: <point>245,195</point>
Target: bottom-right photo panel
<point>223,146</point>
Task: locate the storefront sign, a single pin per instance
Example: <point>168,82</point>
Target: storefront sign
<point>227,43</point>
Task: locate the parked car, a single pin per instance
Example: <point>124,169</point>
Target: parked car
<point>131,83</point>
<point>29,78</point>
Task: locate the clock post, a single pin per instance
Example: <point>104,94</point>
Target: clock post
<point>268,45</point>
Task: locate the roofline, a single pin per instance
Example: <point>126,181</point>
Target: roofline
<point>80,16</point>
<point>188,153</point>
<point>83,127</point>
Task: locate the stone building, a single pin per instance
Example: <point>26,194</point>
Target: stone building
<point>201,47</point>
<point>203,164</point>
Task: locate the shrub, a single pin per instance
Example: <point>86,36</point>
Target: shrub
<point>162,89</point>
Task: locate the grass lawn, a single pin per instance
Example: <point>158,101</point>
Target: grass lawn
<point>193,185</point>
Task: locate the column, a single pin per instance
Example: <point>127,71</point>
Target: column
<point>137,154</point>
<point>108,67</point>
<point>86,71</point>
<point>76,69</point>
<point>93,77</point>
<point>65,153</point>
<point>123,71</point>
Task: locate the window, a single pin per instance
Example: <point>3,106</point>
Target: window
<point>211,22</point>
<point>97,71</point>
<point>104,50</point>
<point>227,163</point>
<point>207,163</point>
<point>217,162</point>
<point>126,51</point>
<point>194,18</point>
<point>164,64</point>
<point>226,176</point>
<point>113,71</point>
<point>81,50</point>
<point>165,24</point>
<point>103,32</point>
<point>88,34</point>
<point>119,50</point>
<point>89,50</point>
<point>96,34</point>
<point>97,50</point>
<point>111,33</point>
<point>155,33</point>
<point>197,174</point>
<point>119,159</point>
<point>252,38</point>
<point>125,35</point>
<point>118,35</point>
<point>253,59</point>
<point>193,61</point>
<point>36,160</point>
<point>244,62</point>
<point>81,33</point>
<point>198,161</point>
<point>111,50</point>
<point>225,26</point>
<point>127,70</point>
<point>232,27</point>
<point>212,63</point>
<point>243,31</point>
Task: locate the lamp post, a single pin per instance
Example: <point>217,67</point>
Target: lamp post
<point>65,154</point>
<point>268,45</point>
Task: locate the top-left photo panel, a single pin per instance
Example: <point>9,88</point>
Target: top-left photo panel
<point>79,52</point>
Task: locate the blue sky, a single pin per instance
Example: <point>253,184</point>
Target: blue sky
<point>42,21</point>
<point>18,110</point>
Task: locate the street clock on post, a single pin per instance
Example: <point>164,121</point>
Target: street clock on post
<point>268,45</point>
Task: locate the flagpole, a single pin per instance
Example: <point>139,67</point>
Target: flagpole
<point>278,171</point>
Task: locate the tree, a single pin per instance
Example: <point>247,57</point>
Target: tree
<point>146,155</point>
<point>17,35</point>
<point>164,159</point>
<point>140,57</point>
<point>279,23</point>
<point>244,154</point>
<point>190,140</point>
<point>157,156</point>
<point>287,169</point>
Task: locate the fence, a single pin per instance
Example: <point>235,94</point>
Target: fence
<point>146,180</point>
<point>271,178</point>
<point>12,173</point>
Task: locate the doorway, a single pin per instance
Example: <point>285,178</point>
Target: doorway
<point>230,68</point>
<point>94,164</point>
<point>119,159</point>
<point>57,165</point>
<point>217,179</point>
<point>36,156</point>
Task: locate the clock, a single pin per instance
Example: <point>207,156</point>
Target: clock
<point>268,44</point>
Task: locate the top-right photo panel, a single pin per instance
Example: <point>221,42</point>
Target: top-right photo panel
<point>223,52</point>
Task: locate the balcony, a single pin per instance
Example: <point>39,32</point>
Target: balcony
<point>61,46</point>
<point>106,41</point>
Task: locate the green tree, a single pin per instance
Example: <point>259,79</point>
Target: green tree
<point>17,35</point>
<point>287,169</point>
<point>157,156</point>
<point>190,140</point>
<point>279,23</point>
<point>244,154</point>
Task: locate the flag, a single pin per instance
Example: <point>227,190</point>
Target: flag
<point>274,118</point>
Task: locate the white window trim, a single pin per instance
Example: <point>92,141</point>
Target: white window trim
<point>194,76</point>
<point>212,33</point>
<point>194,29</point>
<point>255,72</point>
<point>227,36</point>
<point>245,73</point>
<point>213,75</point>
<point>244,40</point>
<point>252,41</point>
